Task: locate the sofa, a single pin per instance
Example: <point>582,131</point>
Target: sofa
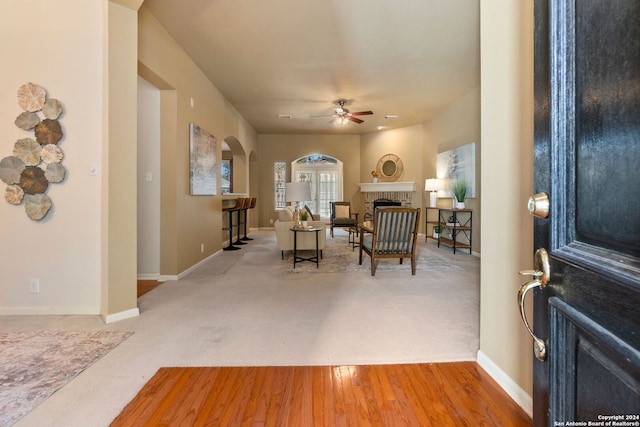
<point>306,241</point>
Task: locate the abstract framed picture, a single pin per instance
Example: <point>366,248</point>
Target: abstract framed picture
<point>202,164</point>
<point>458,164</point>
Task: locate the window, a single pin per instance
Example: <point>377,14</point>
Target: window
<point>279,181</point>
<point>324,174</point>
<point>226,173</point>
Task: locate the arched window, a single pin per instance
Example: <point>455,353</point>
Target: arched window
<point>324,173</point>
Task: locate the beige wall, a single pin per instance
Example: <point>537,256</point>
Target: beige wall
<point>187,221</point>
<point>64,55</point>
<point>457,125</point>
<point>507,177</point>
<point>286,148</point>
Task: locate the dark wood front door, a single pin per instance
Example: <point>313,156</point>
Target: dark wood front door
<point>587,160</point>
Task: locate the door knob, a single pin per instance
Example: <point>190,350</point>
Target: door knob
<point>540,279</point>
<point>538,205</point>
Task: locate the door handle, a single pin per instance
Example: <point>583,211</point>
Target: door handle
<point>540,279</point>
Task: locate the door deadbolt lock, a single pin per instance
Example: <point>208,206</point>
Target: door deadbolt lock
<point>538,205</point>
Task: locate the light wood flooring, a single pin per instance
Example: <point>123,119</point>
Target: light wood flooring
<point>441,394</point>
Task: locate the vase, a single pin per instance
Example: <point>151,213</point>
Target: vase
<point>305,223</point>
<point>459,205</point>
<point>375,179</point>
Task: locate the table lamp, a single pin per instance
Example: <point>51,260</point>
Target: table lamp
<point>432,185</point>
<point>296,192</point>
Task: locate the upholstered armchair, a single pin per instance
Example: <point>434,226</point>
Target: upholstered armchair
<point>341,216</point>
<point>394,234</point>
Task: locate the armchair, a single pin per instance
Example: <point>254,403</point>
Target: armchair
<point>394,234</point>
<point>341,216</point>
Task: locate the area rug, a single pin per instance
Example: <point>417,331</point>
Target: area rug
<point>339,256</point>
<point>33,365</point>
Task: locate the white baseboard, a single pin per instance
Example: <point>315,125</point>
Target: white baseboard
<point>521,397</point>
<point>166,277</point>
<point>196,266</point>
<point>148,276</point>
<point>116,317</point>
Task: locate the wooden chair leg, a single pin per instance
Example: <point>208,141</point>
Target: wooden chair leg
<point>413,265</point>
<point>374,265</point>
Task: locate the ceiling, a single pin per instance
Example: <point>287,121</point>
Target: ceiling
<point>271,58</point>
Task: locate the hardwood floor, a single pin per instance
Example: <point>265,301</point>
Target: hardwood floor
<point>442,394</point>
<point>145,286</point>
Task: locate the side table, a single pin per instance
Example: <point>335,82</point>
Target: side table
<point>297,258</point>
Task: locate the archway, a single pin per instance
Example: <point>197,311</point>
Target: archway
<point>324,174</point>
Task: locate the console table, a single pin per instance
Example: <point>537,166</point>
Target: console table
<point>458,222</point>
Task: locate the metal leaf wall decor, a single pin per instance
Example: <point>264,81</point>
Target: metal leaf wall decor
<point>35,163</point>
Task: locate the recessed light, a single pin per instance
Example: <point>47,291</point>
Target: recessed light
<point>284,116</point>
<point>391,116</point>
<point>381,127</point>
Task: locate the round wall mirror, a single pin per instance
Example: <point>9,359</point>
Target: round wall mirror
<point>389,168</point>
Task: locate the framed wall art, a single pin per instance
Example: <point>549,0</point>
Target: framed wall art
<point>458,164</point>
<point>202,169</point>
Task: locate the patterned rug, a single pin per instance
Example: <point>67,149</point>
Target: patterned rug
<point>34,365</point>
<point>339,256</point>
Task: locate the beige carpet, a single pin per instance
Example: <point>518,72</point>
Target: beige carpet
<point>33,365</point>
<point>243,308</point>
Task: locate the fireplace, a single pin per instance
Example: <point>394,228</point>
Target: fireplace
<point>398,193</point>
<point>368,215</point>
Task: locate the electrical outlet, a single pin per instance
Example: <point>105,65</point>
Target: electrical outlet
<point>34,286</point>
<point>271,221</point>
<point>201,247</point>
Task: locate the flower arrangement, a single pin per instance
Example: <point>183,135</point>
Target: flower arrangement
<point>374,174</point>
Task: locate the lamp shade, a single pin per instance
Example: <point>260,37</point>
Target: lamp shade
<point>297,192</point>
<point>431,184</point>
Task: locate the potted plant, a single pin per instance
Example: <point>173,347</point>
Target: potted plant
<point>459,190</point>
<point>437,230</point>
<point>303,217</point>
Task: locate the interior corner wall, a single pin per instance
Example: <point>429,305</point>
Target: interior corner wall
<point>286,148</point>
<point>119,166</point>
<point>454,126</point>
<point>148,177</point>
<point>507,175</point>
<point>63,53</point>
<point>192,221</point>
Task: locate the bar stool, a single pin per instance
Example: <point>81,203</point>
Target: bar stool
<point>242,205</point>
<point>231,209</point>
<point>252,204</point>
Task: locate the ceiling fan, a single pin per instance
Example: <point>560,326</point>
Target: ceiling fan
<point>341,115</point>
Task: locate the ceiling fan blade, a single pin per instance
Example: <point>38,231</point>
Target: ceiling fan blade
<point>353,119</point>
<point>362,113</point>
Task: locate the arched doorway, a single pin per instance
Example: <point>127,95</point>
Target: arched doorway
<point>324,173</point>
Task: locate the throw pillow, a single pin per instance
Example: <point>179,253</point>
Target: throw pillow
<point>285,214</point>
<point>309,211</point>
<point>342,211</point>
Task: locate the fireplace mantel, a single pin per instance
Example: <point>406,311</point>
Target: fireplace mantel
<point>369,187</point>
